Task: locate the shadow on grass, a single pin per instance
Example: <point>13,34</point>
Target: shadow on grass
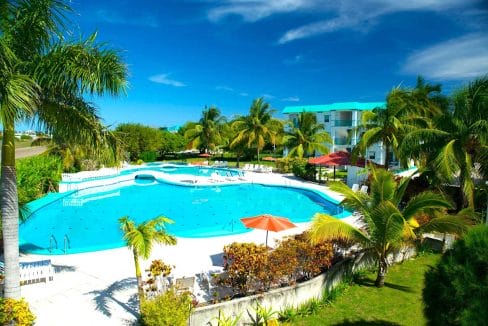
<point>370,283</point>
<point>362,322</point>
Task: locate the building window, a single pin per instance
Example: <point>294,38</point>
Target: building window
<point>372,155</point>
<point>326,118</point>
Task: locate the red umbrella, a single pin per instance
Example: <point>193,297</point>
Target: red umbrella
<point>205,155</point>
<point>268,158</point>
<point>268,222</point>
<point>333,159</point>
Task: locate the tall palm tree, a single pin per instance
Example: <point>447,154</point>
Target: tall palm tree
<point>207,133</point>
<point>257,127</point>
<point>406,109</point>
<point>388,223</point>
<point>44,79</point>
<point>140,239</point>
<point>457,140</point>
<point>307,136</point>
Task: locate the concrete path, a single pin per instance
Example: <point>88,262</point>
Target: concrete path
<point>28,151</point>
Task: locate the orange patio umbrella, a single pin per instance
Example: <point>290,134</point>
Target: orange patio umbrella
<point>268,222</point>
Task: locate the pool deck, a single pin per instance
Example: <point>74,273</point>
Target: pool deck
<point>99,288</point>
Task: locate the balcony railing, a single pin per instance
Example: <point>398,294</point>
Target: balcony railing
<point>341,141</point>
<point>343,123</point>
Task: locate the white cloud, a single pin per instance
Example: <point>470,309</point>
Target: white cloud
<point>254,10</point>
<point>340,14</point>
<point>291,99</point>
<point>293,61</point>
<point>461,58</point>
<point>268,96</point>
<point>164,79</point>
<point>244,94</point>
<point>224,88</point>
<point>113,17</point>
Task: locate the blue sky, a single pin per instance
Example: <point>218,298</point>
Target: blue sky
<point>184,55</point>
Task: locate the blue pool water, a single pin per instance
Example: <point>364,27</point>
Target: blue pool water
<point>87,220</point>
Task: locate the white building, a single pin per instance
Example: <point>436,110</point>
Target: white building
<point>341,120</point>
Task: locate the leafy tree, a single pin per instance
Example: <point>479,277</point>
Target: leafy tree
<point>37,176</point>
<point>257,127</point>
<point>44,78</point>
<point>307,137</point>
<point>456,289</point>
<point>137,138</point>
<point>140,238</point>
<point>457,141</point>
<point>172,142</point>
<point>206,135</point>
<point>388,223</point>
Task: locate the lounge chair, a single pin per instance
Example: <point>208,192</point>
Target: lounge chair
<point>185,284</point>
<point>364,189</point>
<point>355,187</point>
<point>34,272</point>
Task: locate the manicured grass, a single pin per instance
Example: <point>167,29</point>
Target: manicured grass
<point>398,303</point>
<point>23,143</point>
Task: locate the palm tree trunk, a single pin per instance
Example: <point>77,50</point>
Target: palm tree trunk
<point>258,153</point>
<point>382,270</point>
<point>140,289</point>
<point>10,214</point>
<point>387,155</point>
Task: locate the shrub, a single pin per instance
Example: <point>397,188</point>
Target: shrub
<point>301,168</point>
<point>168,309</point>
<point>37,175</point>
<point>148,156</point>
<point>456,289</point>
<point>251,268</point>
<point>15,311</point>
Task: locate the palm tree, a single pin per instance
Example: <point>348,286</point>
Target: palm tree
<point>257,127</point>
<point>388,223</point>
<point>406,110</point>
<point>207,134</point>
<point>456,140</point>
<point>44,79</point>
<point>140,238</point>
<point>307,136</point>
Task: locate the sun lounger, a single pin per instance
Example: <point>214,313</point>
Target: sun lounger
<point>364,189</point>
<point>185,284</point>
<point>355,187</point>
<point>34,272</point>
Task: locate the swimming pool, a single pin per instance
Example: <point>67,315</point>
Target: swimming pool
<point>87,220</point>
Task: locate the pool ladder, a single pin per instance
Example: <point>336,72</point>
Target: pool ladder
<point>67,244</point>
<point>53,243</point>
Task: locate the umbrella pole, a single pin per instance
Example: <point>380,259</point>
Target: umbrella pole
<point>334,172</point>
<point>267,239</point>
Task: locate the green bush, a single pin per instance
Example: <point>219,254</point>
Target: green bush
<point>25,137</point>
<point>16,312</point>
<point>252,268</point>
<point>37,175</point>
<point>148,156</point>
<point>168,309</point>
<point>456,289</point>
<point>301,168</point>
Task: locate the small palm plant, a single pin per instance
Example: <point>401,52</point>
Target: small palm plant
<point>388,223</point>
<point>140,238</point>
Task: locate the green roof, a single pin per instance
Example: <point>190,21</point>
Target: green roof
<point>342,106</point>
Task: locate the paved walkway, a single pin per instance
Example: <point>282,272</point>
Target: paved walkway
<point>28,151</point>
<point>99,288</point>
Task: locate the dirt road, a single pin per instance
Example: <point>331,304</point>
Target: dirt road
<point>29,151</point>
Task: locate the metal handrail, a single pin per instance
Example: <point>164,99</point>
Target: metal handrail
<point>52,241</point>
<point>66,244</point>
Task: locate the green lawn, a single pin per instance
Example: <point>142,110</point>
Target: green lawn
<point>398,303</point>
